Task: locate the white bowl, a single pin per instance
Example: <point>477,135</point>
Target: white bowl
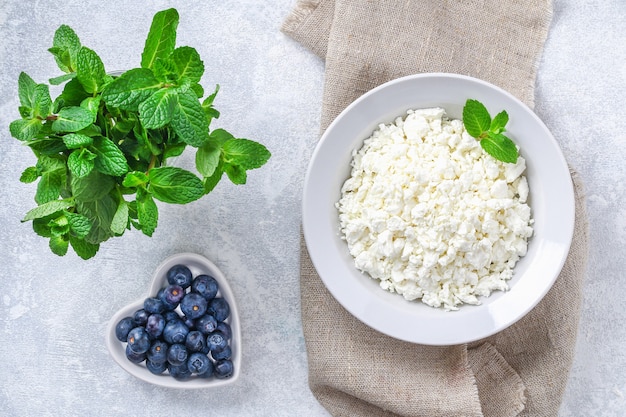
<point>198,265</point>
<point>551,199</point>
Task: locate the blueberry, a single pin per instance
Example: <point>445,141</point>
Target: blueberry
<point>225,353</point>
<point>158,352</point>
<point>195,341</point>
<point>141,317</point>
<point>170,315</point>
<point>175,331</point>
<point>193,305</point>
<point>206,324</point>
<point>198,363</point>
<point>180,372</point>
<point>172,294</point>
<point>133,356</point>
<point>138,340</point>
<point>205,285</point>
<point>179,275</point>
<point>219,308</point>
<point>155,325</point>
<point>188,322</point>
<point>216,341</point>
<point>209,371</point>
<point>177,354</point>
<point>122,328</point>
<point>223,368</point>
<point>153,305</point>
<point>224,327</point>
<point>156,368</point>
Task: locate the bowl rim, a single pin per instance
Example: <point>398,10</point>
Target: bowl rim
<point>496,315</point>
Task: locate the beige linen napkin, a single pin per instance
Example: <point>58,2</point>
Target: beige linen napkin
<point>357,371</point>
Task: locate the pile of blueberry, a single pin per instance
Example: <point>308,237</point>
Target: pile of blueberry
<point>196,342</point>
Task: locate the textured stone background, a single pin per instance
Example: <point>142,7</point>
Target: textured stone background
<point>53,311</point>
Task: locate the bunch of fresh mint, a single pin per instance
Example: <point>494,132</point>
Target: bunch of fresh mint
<point>103,143</point>
<point>479,125</point>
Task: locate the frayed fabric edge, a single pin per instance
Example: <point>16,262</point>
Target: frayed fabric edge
<point>299,14</point>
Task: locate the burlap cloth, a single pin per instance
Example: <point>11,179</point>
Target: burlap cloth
<point>353,369</point>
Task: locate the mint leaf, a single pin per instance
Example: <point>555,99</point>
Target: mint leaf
<point>79,224</point>
<point>92,104</point>
<point>207,159</point>
<point>147,213</point>
<point>80,162</point>
<point>62,78</point>
<point>188,63</point>
<point>82,248</point>
<point>119,223</point>
<point>110,159</point>
<point>25,129</point>
<point>65,48</point>
<point>52,179</point>
<point>73,93</point>
<point>59,245</point>
<point>29,175</point>
<point>156,111</point>
<point>135,179</point>
<point>165,70</point>
<point>175,185</point>
<point>91,187</point>
<point>245,153</point>
<point>130,89</point>
<point>211,182</point>
<point>72,119</point>
<point>90,70</point>
<point>476,118</point>
<point>42,103</point>
<point>100,212</point>
<point>47,209</point>
<point>76,140</point>
<point>499,122</point>
<point>235,173</point>
<point>189,121</point>
<point>26,90</point>
<point>161,38</point>
<point>207,105</point>
<point>59,226</point>
<point>500,147</point>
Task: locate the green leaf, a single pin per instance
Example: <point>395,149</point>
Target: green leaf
<point>79,224</point>
<point>73,93</point>
<point>130,89</point>
<point>109,159</point>
<point>174,150</point>
<point>59,226</point>
<point>25,129</point>
<point>58,245</point>
<point>147,213</point>
<point>207,105</point>
<point>120,220</point>
<point>42,103</point>
<point>26,90</point>
<point>235,173</point>
<point>165,70</point>
<point>499,122</point>
<point>66,46</point>
<point>76,140</point>
<point>161,38</point>
<point>100,213</point>
<point>62,78</point>
<point>92,104</point>
<point>90,70</point>
<point>219,137</point>
<point>500,147</point>
<point>245,153</point>
<point>80,162</point>
<point>189,120</point>
<point>211,182</point>
<point>188,63</point>
<point>91,187</point>
<point>29,175</point>
<point>52,179</point>
<point>41,226</point>
<point>47,209</point>
<point>72,119</point>
<point>156,111</point>
<point>207,159</point>
<point>175,185</point>
<point>82,248</point>
<point>476,118</point>
<point>135,179</point>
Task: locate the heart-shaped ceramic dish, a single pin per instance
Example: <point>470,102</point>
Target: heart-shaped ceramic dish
<point>198,265</point>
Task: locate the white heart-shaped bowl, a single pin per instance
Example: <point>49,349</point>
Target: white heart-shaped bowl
<point>198,265</point>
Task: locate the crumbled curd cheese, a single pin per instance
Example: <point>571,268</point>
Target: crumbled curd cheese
<point>431,215</point>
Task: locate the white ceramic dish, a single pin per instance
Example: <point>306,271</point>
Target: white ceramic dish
<point>198,265</point>
<point>551,199</point>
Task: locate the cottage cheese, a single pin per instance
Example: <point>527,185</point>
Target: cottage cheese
<point>431,215</point>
